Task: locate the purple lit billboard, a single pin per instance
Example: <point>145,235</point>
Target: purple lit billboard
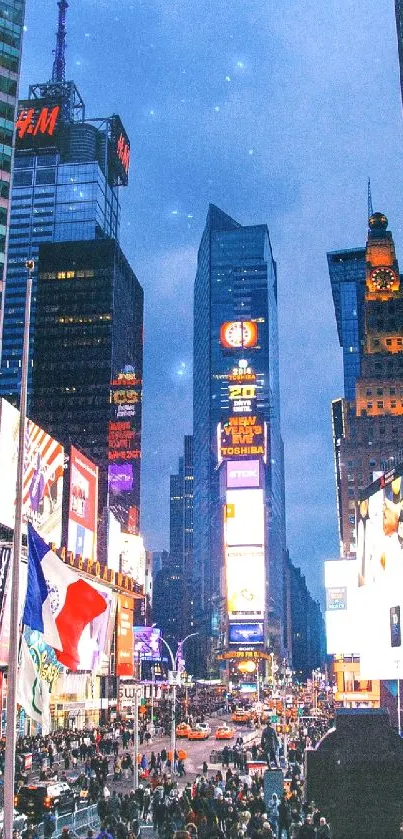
<point>120,477</point>
<point>147,642</point>
<point>242,474</point>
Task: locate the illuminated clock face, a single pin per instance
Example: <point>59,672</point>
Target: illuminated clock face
<point>238,333</point>
<point>383,279</point>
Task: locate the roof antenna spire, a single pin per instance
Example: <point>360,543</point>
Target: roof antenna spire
<point>370,207</point>
<point>59,64</point>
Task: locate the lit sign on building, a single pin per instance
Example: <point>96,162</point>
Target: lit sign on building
<point>242,474</point>
<point>124,450</point>
<point>242,436</point>
<point>123,152</point>
<point>238,334</point>
<point>245,576</point>
<point>34,123</point>
<point>242,398</point>
<point>119,152</point>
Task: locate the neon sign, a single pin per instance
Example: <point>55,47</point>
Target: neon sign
<point>123,152</point>
<point>242,437</point>
<point>33,123</point>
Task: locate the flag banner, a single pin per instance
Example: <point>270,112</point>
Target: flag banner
<point>32,691</point>
<point>59,603</point>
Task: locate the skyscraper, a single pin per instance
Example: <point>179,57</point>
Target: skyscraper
<point>65,188</point>
<point>368,427</point>
<point>347,277</point>
<point>11,28</point>
<point>88,362</point>
<point>399,28</point>
<point>173,595</point>
<point>238,450</point>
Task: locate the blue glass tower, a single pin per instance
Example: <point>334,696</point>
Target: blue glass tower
<point>235,321</point>
<point>347,277</point>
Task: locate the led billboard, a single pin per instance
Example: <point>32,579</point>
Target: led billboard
<point>244,517</point>
<point>238,334</point>
<point>342,633</point>
<point>380,578</point>
<point>242,474</point>
<point>43,476</point>
<point>245,575</point>
<point>147,642</point>
<point>133,557</point>
<point>242,436</point>
<point>124,448</point>
<point>245,633</point>
<point>124,637</point>
<point>83,505</point>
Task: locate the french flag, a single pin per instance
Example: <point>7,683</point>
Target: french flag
<point>58,603</point>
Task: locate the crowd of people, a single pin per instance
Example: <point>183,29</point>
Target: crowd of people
<point>223,802</point>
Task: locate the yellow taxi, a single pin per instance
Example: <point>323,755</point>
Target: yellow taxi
<point>200,732</point>
<point>182,729</point>
<point>241,717</point>
<point>224,732</point>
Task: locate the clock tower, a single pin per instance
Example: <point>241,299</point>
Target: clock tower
<point>382,270</point>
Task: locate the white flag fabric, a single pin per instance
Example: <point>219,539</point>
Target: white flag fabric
<point>32,691</point>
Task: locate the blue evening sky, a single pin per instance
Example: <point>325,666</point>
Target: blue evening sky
<point>276,111</point>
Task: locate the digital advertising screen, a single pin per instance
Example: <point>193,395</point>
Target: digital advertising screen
<point>380,577</point>
<point>147,642</point>
<point>243,474</point>
<point>342,631</point>
<point>246,633</point>
<point>38,123</point>
<point>124,448</point>
<point>244,517</point>
<point>242,436</point>
<point>124,637</point>
<point>133,557</point>
<point>43,476</point>
<point>83,505</point>
<point>245,575</point>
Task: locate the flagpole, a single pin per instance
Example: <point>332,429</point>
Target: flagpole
<point>11,733</point>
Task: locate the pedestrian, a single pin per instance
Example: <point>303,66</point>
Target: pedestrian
<point>284,817</point>
<point>323,831</point>
<point>205,768</point>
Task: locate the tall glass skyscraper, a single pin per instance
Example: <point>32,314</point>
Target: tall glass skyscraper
<point>11,28</point>
<point>238,449</point>
<point>347,277</point>
<point>65,188</point>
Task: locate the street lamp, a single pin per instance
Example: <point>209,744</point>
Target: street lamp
<point>174,660</point>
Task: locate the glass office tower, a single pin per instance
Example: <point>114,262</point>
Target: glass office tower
<point>235,340</point>
<point>65,188</point>
<point>347,277</point>
<point>11,29</point>
<point>88,365</point>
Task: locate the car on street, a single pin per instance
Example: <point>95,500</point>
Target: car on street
<point>224,732</point>
<point>182,729</point>
<point>241,717</point>
<point>37,799</point>
<point>201,731</point>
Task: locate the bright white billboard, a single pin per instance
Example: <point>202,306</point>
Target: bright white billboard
<point>341,608</point>
<point>244,517</point>
<point>43,476</point>
<point>245,575</point>
<point>380,578</point>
